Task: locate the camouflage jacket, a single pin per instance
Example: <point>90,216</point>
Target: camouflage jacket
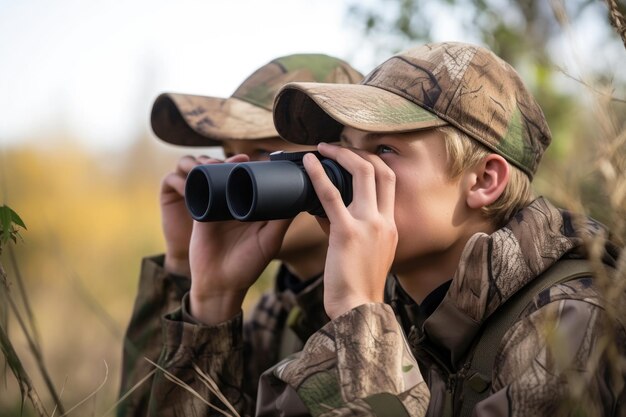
<point>564,356</point>
<point>364,362</point>
<point>278,325</point>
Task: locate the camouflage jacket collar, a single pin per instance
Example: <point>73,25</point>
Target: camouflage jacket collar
<point>494,267</point>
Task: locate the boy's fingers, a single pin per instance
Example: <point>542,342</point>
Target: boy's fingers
<point>381,191</point>
<point>241,157</point>
<point>363,174</point>
<point>174,181</point>
<point>186,164</point>
<point>385,182</point>
<point>327,193</point>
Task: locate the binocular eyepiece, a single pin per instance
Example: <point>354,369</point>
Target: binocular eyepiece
<point>249,191</point>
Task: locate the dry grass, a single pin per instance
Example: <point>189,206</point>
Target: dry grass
<point>593,182</point>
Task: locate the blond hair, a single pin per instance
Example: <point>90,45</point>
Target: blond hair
<point>464,152</point>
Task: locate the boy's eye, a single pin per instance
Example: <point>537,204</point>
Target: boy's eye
<point>381,149</point>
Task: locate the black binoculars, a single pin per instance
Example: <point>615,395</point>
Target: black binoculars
<point>267,190</point>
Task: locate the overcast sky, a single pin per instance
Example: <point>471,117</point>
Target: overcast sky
<point>91,68</point>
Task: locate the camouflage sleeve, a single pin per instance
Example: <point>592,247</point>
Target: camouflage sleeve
<point>262,338</point>
<point>200,370</point>
<point>278,326</point>
<point>562,359</point>
<point>358,365</point>
<point>159,292</point>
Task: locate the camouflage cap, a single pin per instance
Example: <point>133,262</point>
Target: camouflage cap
<point>463,85</point>
<point>193,120</point>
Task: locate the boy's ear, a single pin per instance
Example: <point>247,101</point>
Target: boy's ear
<point>487,181</point>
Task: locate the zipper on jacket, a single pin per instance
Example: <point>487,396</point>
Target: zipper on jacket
<point>419,344</point>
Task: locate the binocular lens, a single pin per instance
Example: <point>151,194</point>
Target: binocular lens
<point>241,199</point>
<point>197,181</point>
<point>205,192</point>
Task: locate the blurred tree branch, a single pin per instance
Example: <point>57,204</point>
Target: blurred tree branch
<point>616,17</point>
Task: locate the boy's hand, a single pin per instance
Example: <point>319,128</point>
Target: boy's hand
<point>226,258</point>
<point>362,236</point>
<point>175,219</point>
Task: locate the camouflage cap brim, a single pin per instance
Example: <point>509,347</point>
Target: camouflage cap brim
<point>309,113</point>
<point>191,120</point>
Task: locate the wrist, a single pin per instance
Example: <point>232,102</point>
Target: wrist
<point>215,308</point>
<point>177,265</point>
<point>339,308</point>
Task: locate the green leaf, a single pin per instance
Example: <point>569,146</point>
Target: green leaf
<point>17,219</point>
<point>9,220</point>
<point>5,224</point>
